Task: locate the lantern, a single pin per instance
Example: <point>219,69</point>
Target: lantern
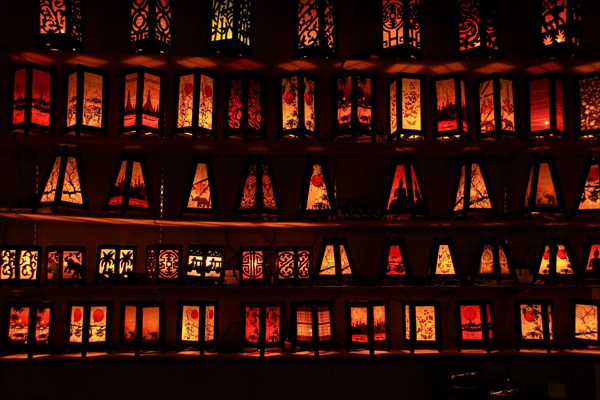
<point>474,325</point>
<point>20,264</point>
<point>142,326</point>
<point>298,111</point>
<point>258,196</point>
<point>588,90</point>
<point>556,261</point>
<point>451,115</point>
<point>196,105</point>
<point>150,26</point>
<point>405,198</point>
<point>86,111</point>
<point>142,112</point>
<point>494,264</point>
<point>116,263</point>
<point>201,192</point>
<point>231,27</point>
<point>591,272</point>
<point>401,28</point>
<point>443,269</point>
<point>32,104</point>
<point>583,324</point>
<point>588,201</point>
<point>477,28</point>
<point>496,108</point>
<point>130,191</point>
<point>354,106</point>
<point>60,25</point>
<point>546,108</point>
<point>313,325</point>
<point>204,264</point>
<point>422,325</point>
<point>293,265</point>
<point>197,325</point>
<point>366,325</point>
<point>541,194</point>
<point>395,266</point>
<point>317,198</point>
<point>30,328</point>
<point>255,265</point>
<point>244,117</point>
<point>534,324</point>
<point>163,263</point>
<point>316,28</point>
<point>263,325</point>
<point>472,195</point>
<point>65,264</point>
<point>560,32</point>
<point>89,327</point>
<point>405,107</point>
<point>335,264</point>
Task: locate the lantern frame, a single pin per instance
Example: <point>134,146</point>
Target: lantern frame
<point>468,210</point>
<point>356,131</point>
<point>138,128</point>
<point>574,340</point>
<point>443,279</point>
<point>85,345</point>
<point>79,128</point>
<point>591,275</point>
<point>553,276</point>
<point>497,275</point>
<point>302,131</point>
<point>418,208</point>
<point>371,343</point>
<point>117,277</point>
<point>201,345</point>
<point>29,346</point>
<point>262,345</point>
<point>138,345</point>
<point>152,272</point>
<point>194,130</point>
<point>487,326</point>
<point>14,264</point>
<point>320,213</point>
<point>259,211</point>
<point>461,89</point>
<point>499,131</point>
<point>211,211</point>
<point>592,193</point>
<point>552,130</point>
<point>592,133</point>
<point>411,340</point>
<point>530,203</point>
<point>73,268</point>
<point>240,43</point>
<point>402,134</point>
<point>405,278</point>
<point>547,315</point>
<point>297,277</point>
<point>411,47</point>
<point>249,127</point>
<point>72,38</point>
<point>322,48</point>
<point>267,266</point>
<point>205,252</point>
<point>571,30</point>
<point>154,38</point>
<point>338,278</point>
<point>316,344</point>
<point>485,29</point>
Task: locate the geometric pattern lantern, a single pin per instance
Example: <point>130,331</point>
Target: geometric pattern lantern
<point>90,326</point>
<point>32,103</point>
<point>395,266</point>
<point>588,201</point>
<point>555,261</point>
<point>231,27</point>
<point>405,107</point>
<point>477,28</point>
<point>197,325</point>
<point>334,263</point>
<point>244,116</point>
<point>65,264</point>
<point>255,265</point>
<point>588,126</point>
<point>200,195</point>
<point>195,108</point>
<point>583,325</point>
<point>204,264</point>
<point>142,110</point>
<point>263,325</point>
<point>442,265</point>
<point>534,326</point>
<point>142,325</point>
<point>422,325</point>
<point>150,26</point>
<point>293,265</point>
<point>367,325</point>
<point>258,196</point>
<point>405,197</point>
<point>163,263</point>
<point>450,117</point>
<point>591,272</point>
<point>472,195</point>
<point>402,21</point>
<point>85,102</point>
<point>546,107</point>
<point>298,111</point>
<point>60,25</point>
<point>560,22</point>
<point>355,106</point>
<point>316,198</point>
<point>541,194</point>
<point>130,191</point>
<point>494,264</point>
<point>20,265</point>
<point>116,263</point>
<point>474,325</point>
<point>29,327</point>
<point>316,28</point>
<point>313,326</point>
<point>496,108</point>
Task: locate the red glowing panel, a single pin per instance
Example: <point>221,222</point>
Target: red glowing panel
<point>364,101</point>
<point>18,325</point>
<point>254,105</point>
<point>76,325</point>
<point>19,95</point>
<point>168,264</point>
<point>318,198</point>
<point>129,113</point>
<point>488,310</point>
<point>190,324</point>
<point>137,190</point>
<point>444,264</point>
<point>252,330</point>
<point>234,109</point>
<point>539,99</point>
<point>52,17</point>
<point>446,105</point>
<point>98,324</point>
<point>253,265</point>
<point>344,102</point>
<point>590,198</point>
<point>273,325</point>
<point>269,201</point>
<point>200,196</point>
<point>379,323</point>
<point>71,190</point>
<point>560,116</point>
<point>8,267</point>
<point>359,325</point>
<point>151,106</point>
<point>425,320</point>
<point>130,323</point>
<point>92,99</point>
<point>546,194</point>
<point>249,194</point>
<point>72,99</point>
<point>324,321</point>
<point>471,324</point>
<point>40,98</point>
<point>593,262</point>
<point>586,322</point>
<point>304,331</point>
<point>209,323</point>
<point>289,103</point>
<point>528,190</point>
<point>532,327</point>
<point>150,324</point>
<point>42,325</point>
<point>395,262</point>
<point>206,105</point>
<point>398,195</point>
<point>118,189</point>
<point>72,265</point>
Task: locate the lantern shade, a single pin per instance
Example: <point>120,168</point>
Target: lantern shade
<point>255,265</point>
<point>316,28</point>
<point>205,264</point>
<point>299,106</point>
<point>588,201</point>
<point>142,104</point>
<point>588,91</point>
<point>477,28</point>
<point>541,193</point>
<point>142,326</point>
<point>263,325</point>
<point>20,265</point>
<point>317,198</point>
<point>405,197</point>
<point>313,325</point>
<point>355,106</point>
<point>200,195</point>
<point>546,107</point>
<point>401,28</point>
<point>60,25</point>
<point>65,264</point>
<point>89,326</point>
<point>85,102</point>
<point>422,325</point>
<point>474,325</point>
<point>130,191</point>
<point>32,103</point>
<point>443,269</point>
<point>258,194</point>
<point>163,263</point>
<point>406,111</point>
<point>244,116</point>
<point>150,26</point>
<point>231,27</point>
<point>496,108</point>
<point>197,323</point>
<point>116,263</point>
<point>450,120</point>
<point>472,193</point>
<point>334,264</point>
<point>394,264</point>
<point>555,261</point>
<point>494,262</point>
<point>560,32</point>
<point>196,104</point>
<point>583,323</point>
<point>30,328</point>
<point>534,324</point>
<point>367,325</point>
<point>293,265</point>
<point>591,272</point>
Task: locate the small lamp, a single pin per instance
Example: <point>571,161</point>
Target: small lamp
<point>395,266</point>
<point>442,265</point>
<point>589,189</point>
<point>541,193</point>
<point>60,25</point>
<point>258,195</point>
<point>317,199</point>
<point>405,107</point>
<point>293,265</point>
<point>546,107</point>
<point>245,112</point>
<point>588,91</point>
<point>367,325</point>
<point>30,328</point>
<point>89,326</point>
<point>477,28</point>
<point>142,326</point>
<point>591,273</point>
<point>231,27</point>
<point>405,196</point>
<point>313,325</point>
<point>163,263</point>
<point>494,262</point>
<point>86,102</point>
<point>584,323</point>
<point>150,26</point>
<point>196,104</point>
<point>205,264</point>
<point>561,30</point>
<point>316,28</point>
<point>354,106</point>
<point>32,105</point>
<point>422,325</point>
<point>401,22</point>
<point>197,325</point>
<point>263,325</point>
<point>65,264</point>
<point>20,264</point>
<point>555,261</point>
<point>116,263</point>
<point>496,108</point>
<point>142,110</point>
<point>472,194</point>
<point>298,113</point>
<point>130,191</point>
<point>200,195</point>
<point>451,116</point>
<point>474,325</point>
<point>534,324</point>
<point>255,265</point>
<point>335,264</point>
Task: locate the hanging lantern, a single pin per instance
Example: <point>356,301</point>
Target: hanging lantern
<point>65,264</point>
<point>298,112</point>
<point>313,325</point>
<point>405,107</point>
<point>293,265</point>
<point>584,323</point>
<point>255,265</point>
<point>367,325</point>
<point>477,28</point>
<point>196,105</point>
<point>263,325</point>
<point>405,197</point>
<point>60,25</point>
<point>150,26</point>
<point>30,328</point>
<point>316,28</point>
<point>443,269</point>
<point>86,111</point>
<point>496,112</point>
<point>142,113</point>
<point>231,27</point>
<point>591,273</point>
<point>20,265</point>
<point>474,325</point>
<point>316,198</point>
<point>534,324</point>
<point>32,104</point>
<point>541,194</point>
<point>556,261</point>
<point>560,32</point>
<point>395,266</point>
<point>494,264</point>
<point>204,264</point>
<point>116,263</point>
<point>130,191</point>
<point>401,27</point>
<point>201,191</point>
<point>472,195</point>
<point>258,197</point>
<point>546,108</point>
<point>422,325</point>
<point>197,325</point>
<point>89,326</point>
<point>245,117</point>
<point>335,264</point>
<point>142,326</point>
<point>588,201</point>
<point>588,90</point>
<point>355,107</point>
<point>451,115</point>
<point>163,263</point>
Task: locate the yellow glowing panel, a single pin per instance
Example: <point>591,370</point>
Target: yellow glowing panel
<point>71,192</point>
<point>150,324</point>
<point>317,191</point>
<point>344,261</point>
<point>486,264</point>
<point>72,99</point>
<point>425,320</point>
<point>590,197</point>
<point>50,189</point>
<point>546,194</point>
<point>328,262</point>
<point>545,262</point>
<point>8,259</point>
<point>478,197</point>
<point>563,263</point>
<point>98,324</point>
<point>586,322</point>
<point>76,326</point>
<point>92,99</point>
<point>130,323</point>
<point>186,101</point>
<point>107,262</point>
<point>206,104</point>
<point>28,264</point>
<point>289,103</point>
<point>190,324</point>
<point>200,194</point>
<point>411,104</point>
<point>222,22</point>
<point>444,264</point>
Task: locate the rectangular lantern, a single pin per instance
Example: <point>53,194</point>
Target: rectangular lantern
<point>89,326</point>
<point>244,116</point>
<point>474,328</point>
<point>163,263</point>
<point>313,325</point>
<point>60,25</point>
<point>205,264</point>
<point>583,324</point>
<point>231,27</point>
<point>367,325</point>
<point>142,326</point>
<point>496,108</point>
<point>196,105</point>
<point>422,325</point>
<point>406,107</point>
<point>443,269</point>
<point>354,106</point>
<point>20,264</point>
<point>197,325</point>
<point>255,265</point>
<point>298,111</point>
<point>451,116</point>
<point>293,265</point>
<point>150,26</point>
<point>561,29</point>
<point>30,328</point>
<point>116,263</point>
<point>395,267</point>
<point>316,28</point>
<point>588,89</point>
<point>200,195</point>
<point>546,107</point>
<point>477,28</point>
<point>65,264</point>
<point>142,107</point>
<point>263,325</point>
<point>534,326</point>
<point>401,22</point>
<point>85,102</point>
<point>32,108</point>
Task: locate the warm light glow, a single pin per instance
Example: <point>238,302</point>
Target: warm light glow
<point>379,323</point>
<point>141,12</point>
<point>557,16</point>
<point>190,324</point>
<point>269,201</point>
<point>471,322</point>
<point>444,264</point>
<point>114,263</point>
<point>589,106</point>
<point>425,328</point>
<point>272,324</point>
<point>19,264</point>
<point>18,325</point>
<point>546,193</point>
<point>190,86</point>
<point>98,324</point>
<point>130,93</point>
<point>252,325</point>
<point>42,325</point>
<point>72,268</point>
<point>150,324</point>
<point>318,198</point>
<point>447,116</point>
<point>486,264</point>
<point>586,322</point>
<point>401,26</point>
<point>316,27</point>
<point>359,325</point>
<point>253,265</point>
<point>563,264</point>
<point>8,268</point>
<point>531,319</point>
<point>304,331</point>
<point>395,262</point>
<point>168,263</point>
<point>200,195</point>
<point>488,98</point>
<point>478,194</point>
<point>540,107</point>
<point>477,25</point>
<point>593,262</point>
<point>292,264</point>
<point>130,323</point>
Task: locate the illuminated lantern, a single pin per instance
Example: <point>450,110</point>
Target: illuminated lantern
<point>116,263</point>
<point>258,196</point>
<point>354,106</point>
<point>142,326</point>
<point>32,104</point>
<point>30,328</point>
<point>204,264</point>
<point>142,106</point>
<point>335,264</point>
<point>422,325</point>
<point>588,201</point>
<point>201,191</point>
<point>313,325</point>
<point>197,325</point>
<point>317,198</point>
<point>244,116</point>
<point>316,28</point>
<point>263,325</point>
<point>591,272</point>
<point>299,106</point>
<point>395,265</point>
<point>546,108</point>
<point>231,27</point>
<point>293,265</point>
<point>130,191</point>
<point>496,108</point>
<point>60,25</point>
<point>556,261</point>
<point>477,28</point>
<point>405,197</point>
<point>85,107</point>
<point>196,105</point>
<point>560,32</point>
<point>402,21</point>
<point>65,264</point>
<point>474,325</point>
<point>255,265</point>
<point>443,269</point>
<point>405,107</point>
<point>367,325</point>
<point>89,327</point>
<point>584,323</point>
<point>541,194</point>
<point>20,265</point>
<point>451,116</point>
<point>472,194</point>
<point>494,263</point>
<point>534,324</point>
<point>163,263</point>
<point>589,106</point>
<point>150,26</point>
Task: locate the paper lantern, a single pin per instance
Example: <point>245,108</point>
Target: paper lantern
<point>65,264</point>
<point>556,261</point>
<point>477,28</point>
<point>534,324</point>
<point>583,324</point>
<point>405,197</point>
<point>588,91</point>
<point>150,26</point>
<point>200,195</point>
<point>20,265</point>
<point>130,192</point>
<point>142,326</point>
<point>496,108</point>
<point>204,264</point>
<point>591,272</point>
<point>560,32</point>
<point>142,107</point>
<point>32,108</point>
<point>255,265</point>
<point>313,325</point>
<point>395,266</point>
<point>494,263</point>
<point>401,22</point>
<point>334,264</point>
<point>443,269</point>
<point>163,263</point>
<point>299,106</point>
<point>231,27</point>
<point>196,104</point>
<point>116,263</point>
<point>422,325</point>
<point>472,193</point>
<point>85,102</point>
<point>60,25</point>
<point>542,195</point>
<point>317,199</point>
<point>293,265</point>
<point>197,323</point>
<point>406,111</point>
<point>367,325</point>
<point>89,327</point>
<point>245,115</point>
<point>474,325</point>
<point>450,120</point>
<point>258,194</point>
<point>354,106</point>
<point>30,328</point>
<point>316,28</point>
<point>588,201</point>
<point>263,325</point>
<point>546,107</point>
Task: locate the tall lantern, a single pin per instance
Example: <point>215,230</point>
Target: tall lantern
<point>546,108</point>
<point>130,190</point>
<point>197,325</point>
<point>534,324</point>
<point>89,326</point>
<point>263,325</point>
<point>142,326</point>
<point>298,111</point>
<point>588,90</point>
<point>477,28</point>
<point>583,324</point>
<point>443,269</point>
<point>32,103</point>
<point>472,193</point>
<point>196,106</point>
<point>588,201</point>
<point>541,194</point>
<point>231,27</point>
<point>255,265</point>
<point>163,263</point>
<point>65,264</point>
<point>244,116</point>
<point>474,328</point>
<point>451,116</point>
<point>355,106</point>
<point>20,265</point>
<point>150,26</point>
<point>30,328</point>
<point>313,325</point>
<point>494,263</point>
<point>316,28</point>
<point>293,265</point>
<point>317,198</point>
<point>204,264</point>
<point>142,108</point>
<point>60,25</point>
<point>405,107</point>
<point>422,325</point>
<point>560,32</point>
<point>401,21</point>
<point>334,262</point>
<point>86,106</point>
<point>395,266</point>
<point>591,272</point>
<point>200,196</point>
<point>405,197</point>
<point>367,325</point>
<point>258,196</point>
<point>116,263</point>
<point>555,261</point>
<point>496,108</point>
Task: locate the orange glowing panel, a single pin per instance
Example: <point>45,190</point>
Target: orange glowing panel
<point>18,325</point>
<point>411,104</point>
<point>60,25</point>
<point>209,323</point>
<point>344,106</point>
<point>425,319</point>
<point>589,106</point>
<point>298,111</point>
<point>151,106</point>
<point>98,324</point>
<point>195,104</point>
<point>532,322</point>
<point>555,256</point>
<point>545,192</point>
<point>471,322</point>
<point>586,322</point>
<point>354,106</point>
<point>92,100</point>
<point>273,325</point>
<point>478,197</point>
<point>42,325</point>
<point>304,325</point>
<point>446,105</point>
<point>477,27</point>
<point>49,192</point>
<point>200,194</point>
<point>268,193</point>
<point>151,25</point>
<point>318,198</point>
<point>252,324</point>
<point>496,108</point>
<point>150,324</point>
<point>190,324</point>
<point>85,101</point>
<point>590,196</point>
<point>486,263</point>
<point>444,264</point>
<point>130,190</point>
<point>359,324</point>
<point>253,265</point>
<point>401,27</point>
<point>379,323</point>
<point>71,191</point>
<point>19,96</point>
<point>72,264</point>
<point>130,324</point>
<point>324,323</point>
<point>316,28</point>
<point>328,262</point>
<point>142,108</point>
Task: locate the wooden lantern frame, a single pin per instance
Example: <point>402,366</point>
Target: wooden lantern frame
<point>297,265</point>
<point>468,162</point>
<point>498,128</point>
<point>442,279</point>
<point>262,343</point>
<point>354,128</point>
<point>15,265</point>
<point>76,270</point>
<point>316,344</point>
<point>152,264</point>
<point>201,266</point>
<point>408,42</point>
<point>487,326</point>
<point>86,345</point>
<point>137,128</point>
<point>547,315</point>
<point>399,101</point>
<point>151,26</point>
<point>249,270</point>
<point>460,91</point>
<point>60,30</point>
<point>202,344</point>
<point>203,99</point>
<point>103,260</point>
<point>259,211</point>
<point>410,322</point>
<point>239,13</point>
<point>137,345</point>
<point>320,213</point>
<point>79,126</point>
<point>371,344</point>
<point>316,39</point>
<point>29,345</point>
<point>578,339</point>
<point>553,275</point>
<point>496,245</point>
<point>300,94</point>
<point>338,278</point>
<point>385,276</point>
<point>246,103</point>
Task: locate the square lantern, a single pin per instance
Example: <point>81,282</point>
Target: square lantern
<point>588,91</point>
<point>443,269</point>
<point>142,326</point>
<point>293,265</point>
<point>196,104</point>
<point>422,325</point>
<point>477,28</point>
<point>231,27</point>
<point>472,194</point>
<point>591,272</point>
<point>450,120</point>
<point>316,28</point>
<point>86,100</point>
<point>205,264</point>
<point>474,328</point>
<point>89,327</point>
<point>60,25</point>
<point>542,195</point>
<point>116,263</point>
<point>494,263</point>
<point>317,198</point>
<point>405,197</point>
<point>255,265</point>
<point>150,26</point>
<point>263,325</point>
<point>20,265</point>
<point>258,195</point>
<point>30,328</point>
<point>395,267</point>
<point>130,191</point>
<point>588,201</point>
<point>560,23</point>
<point>65,264</point>
<point>142,107</point>
<point>200,194</point>
<point>367,325</point>
<point>546,107</point>
<point>534,324</point>
<point>556,261</point>
<point>32,108</point>
<point>299,106</point>
<point>245,113</point>
<point>406,110</point>
<point>163,263</point>
<point>355,106</point>
<point>583,324</point>
<point>197,325</point>
<point>401,22</point>
<point>334,264</point>
<point>496,108</point>
<point>313,325</point>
